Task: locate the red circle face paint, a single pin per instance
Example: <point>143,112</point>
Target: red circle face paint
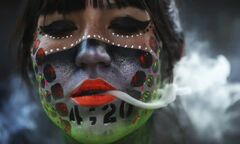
<point>57,91</point>
<point>37,43</point>
<point>62,109</point>
<point>138,79</point>
<point>146,60</point>
<point>49,73</point>
<point>67,126</point>
<point>40,56</point>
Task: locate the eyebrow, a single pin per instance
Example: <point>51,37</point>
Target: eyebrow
<point>67,6</point>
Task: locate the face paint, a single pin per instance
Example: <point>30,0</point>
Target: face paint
<point>40,56</point>
<point>62,109</point>
<point>146,60</point>
<point>48,97</point>
<point>73,90</point>
<point>150,81</point>
<point>138,79</point>
<point>57,91</point>
<point>49,73</point>
<point>155,66</point>
<point>111,30</point>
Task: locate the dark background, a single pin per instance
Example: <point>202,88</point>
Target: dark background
<point>9,11</point>
<point>218,22</point>
<point>214,21</point>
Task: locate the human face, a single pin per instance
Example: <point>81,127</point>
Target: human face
<point>80,55</point>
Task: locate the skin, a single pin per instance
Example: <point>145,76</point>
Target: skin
<point>60,72</point>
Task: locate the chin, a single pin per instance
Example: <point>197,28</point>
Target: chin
<point>107,134</point>
<point>99,132</point>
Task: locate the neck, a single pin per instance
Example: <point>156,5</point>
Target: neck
<point>140,136</point>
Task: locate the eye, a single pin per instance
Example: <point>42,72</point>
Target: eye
<point>127,25</point>
<point>59,28</point>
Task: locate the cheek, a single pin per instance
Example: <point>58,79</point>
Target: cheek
<point>149,66</point>
<point>147,78</point>
<point>48,76</point>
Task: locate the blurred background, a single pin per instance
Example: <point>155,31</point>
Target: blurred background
<point>210,68</point>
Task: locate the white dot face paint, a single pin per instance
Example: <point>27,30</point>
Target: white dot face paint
<point>137,32</point>
<point>97,54</point>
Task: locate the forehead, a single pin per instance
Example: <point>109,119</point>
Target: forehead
<point>67,6</point>
<point>92,15</point>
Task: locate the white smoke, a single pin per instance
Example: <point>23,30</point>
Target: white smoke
<point>18,112</point>
<point>211,92</point>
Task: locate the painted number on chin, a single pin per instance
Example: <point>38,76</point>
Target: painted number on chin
<point>109,118</point>
<point>75,116</point>
<point>125,111</point>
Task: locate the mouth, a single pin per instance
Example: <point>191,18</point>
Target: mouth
<point>91,93</point>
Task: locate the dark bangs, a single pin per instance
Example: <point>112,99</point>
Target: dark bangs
<point>66,6</point>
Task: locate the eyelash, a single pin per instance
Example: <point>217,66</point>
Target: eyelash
<point>137,34</point>
<point>126,26</point>
<point>59,29</point>
<point>120,27</point>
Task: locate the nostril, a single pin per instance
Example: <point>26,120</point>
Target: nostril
<point>82,65</point>
<point>92,53</point>
<point>104,64</point>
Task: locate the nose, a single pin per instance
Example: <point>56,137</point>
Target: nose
<point>92,53</point>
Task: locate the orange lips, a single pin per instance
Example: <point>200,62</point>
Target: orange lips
<point>90,93</point>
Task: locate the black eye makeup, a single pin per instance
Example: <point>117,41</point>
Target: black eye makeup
<point>127,25</point>
<point>59,28</point>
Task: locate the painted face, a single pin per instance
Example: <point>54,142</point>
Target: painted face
<point>79,56</point>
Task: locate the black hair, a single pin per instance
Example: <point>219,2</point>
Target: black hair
<point>163,13</point>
